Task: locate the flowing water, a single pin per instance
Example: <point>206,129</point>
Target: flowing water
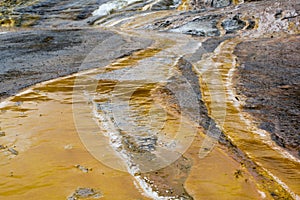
<point>132,140</point>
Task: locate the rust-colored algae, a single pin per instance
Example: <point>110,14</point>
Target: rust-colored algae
<point>49,150</point>
<point>271,163</point>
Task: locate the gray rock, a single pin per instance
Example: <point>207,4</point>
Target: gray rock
<point>29,57</point>
<point>85,193</point>
<point>13,151</point>
<point>233,24</point>
<point>221,3</point>
<point>202,26</point>
<point>198,4</point>
<point>162,5</point>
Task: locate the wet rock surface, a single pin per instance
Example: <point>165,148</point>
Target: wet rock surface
<point>233,24</point>
<point>2,133</point>
<point>268,77</point>
<point>202,26</point>
<point>52,13</point>
<point>160,5</point>
<point>83,193</point>
<point>13,151</point>
<point>196,4</point>
<point>202,118</point>
<point>169,181</point>
<point>29,57</point>
<point>207,23</point>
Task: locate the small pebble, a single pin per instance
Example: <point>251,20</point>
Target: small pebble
<point>83,169</point>
<point>68,147</point>
<point>2,133</point>
<point>13,151</point>
<point>85,193</point>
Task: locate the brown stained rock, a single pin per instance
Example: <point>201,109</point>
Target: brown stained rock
<point>198,4</point>
<point>2,133</point>
<point>13,151</point>
<point>268,77</point>
<point>169,181</point>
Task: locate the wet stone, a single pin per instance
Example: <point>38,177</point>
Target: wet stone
<point>55,53</point>
<point>162,5</point>
<point>198,4</point>
<point>201,26</point>
<point>83,169</point>
<point>2,133</point>
<point>268,77</point>
<point>81,193</point>
<point>251,24</point>
<point>147,143</point>
<point>168,181</point>
<point>234,24</point>
<point>220,3</point>
<point>268,126</point>
<point>13,151</point>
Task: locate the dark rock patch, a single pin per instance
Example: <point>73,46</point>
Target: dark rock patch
<point>2,133</point>
<point>13,151</point>
<point>29,57</point>
<point>162,5</point>
<point>268,77</point>
<point>201,26</point>
<point>234,24</point>
<point>220,3</point>
<point>51,12</point>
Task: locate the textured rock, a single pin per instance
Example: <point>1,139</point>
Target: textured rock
<point>55,53</point>
<point>2,133</point>
<point>201,26</point>
<point>220,3</point>
<point>159,5</point>
<point>233,24</point>
<point>47,12</point>
<point>13,151</point>
<point>82,193</point>
<point>198,4</point>
<point>268,77</point>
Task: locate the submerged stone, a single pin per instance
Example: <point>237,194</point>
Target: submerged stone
<point>13,151</point>
<point>85,193</point>
<point>83,169</point>
<point>2,133</point>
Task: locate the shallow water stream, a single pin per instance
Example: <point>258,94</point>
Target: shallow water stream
<point>131,129</point>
